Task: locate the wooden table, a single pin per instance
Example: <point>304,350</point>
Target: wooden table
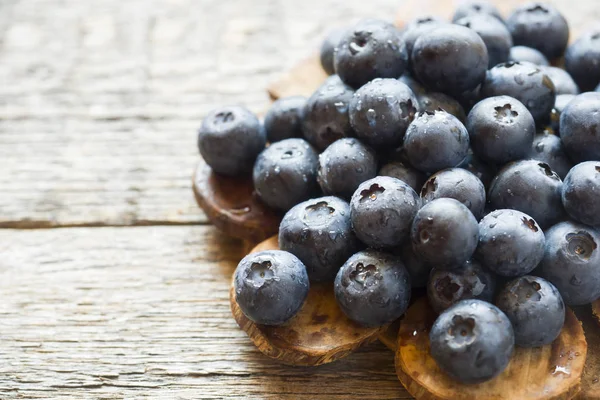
<point>112,284</point>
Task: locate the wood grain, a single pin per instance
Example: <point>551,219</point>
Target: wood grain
<point>123,313</point>
<point>542,373</point>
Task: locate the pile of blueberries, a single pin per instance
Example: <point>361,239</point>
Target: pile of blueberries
<point>444,156</point>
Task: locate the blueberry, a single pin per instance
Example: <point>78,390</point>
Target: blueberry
<point>559,106</point>
<point>525,82</point>
<point>331,41</point>
<point>285,173</point>
<point>435,101</point>
<point>469,98</point>
<point>417,27</point>
<point>471,281</point>
<point>373,288</point>
<point>229,140</point>
<point>571,262</point>
<point>476,7</point>
<point>580,127</point>
<point>548,149</point>
<point>531,187</point>
<point>511,243</point>
<point>326,113</point>
<point>472,341</point>
<point>444,233</point>
<point>382,210</point>
<point>494,33</point>
<point>417,88</point>
<point>284,118</point>
<point>535,309</point>
<point>380,112</point>
<point>344,165</point>
<point>270,286</point>
<point>319,233</point>
<point>582,59</point>
<point>371,49</point>
<point>580,193</point>
<point>540,26</point>
<point>458,184</point>
<point>404,172</point>
<point>501,129</point>
<point>563,83</point>
<point>417,268</point>
<point>450,51</point>
<point>527,54</point>
<point>436,140</point>
<point>480,169</point>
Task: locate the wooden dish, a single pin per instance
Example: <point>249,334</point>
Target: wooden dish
<point>590,380</point>
<point>320,333</point>
<point>549,372</point>
<point>232,206</point>
<point>389,335</point>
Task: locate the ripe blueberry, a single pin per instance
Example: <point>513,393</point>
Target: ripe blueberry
<point>229,140</point>
<point>373,288</point>
<point>319,233</point>
<point>270,286</point>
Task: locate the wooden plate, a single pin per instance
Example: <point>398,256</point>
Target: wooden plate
<point>389,336</point>
<point>232,206</point>
<point>590,380</point>
<point>320,333</point>
<point>549,372</point>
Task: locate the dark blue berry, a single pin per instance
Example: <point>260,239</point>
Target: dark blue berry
<point>229,140</point>
<point>344,165</point>
<point>540,26</point>
<point>435,101</point>
<point>501,129</point>
<point>270,286</point>
<point>381,111</point>
<point>476,7</point>
<point>404,172</point>
<point>511,243</point>
<point>445,233</point>
<point>580,127</point>
<point>472,341</point>
<point>527,54</point>
<point>531,187</point>
<point>525,82</point>
<point>563,82</point>
<point>319,233</point>
<point>581,193</point>
<point>284,118</point>
<point>494,33</point>
<point>373,288</point>
<point>471,281</point>
<point>485,172</point>
<point>382,210</point>
<point>326,113</point>
<point>562,100</point>
<point>548,149</point>
<point>414,29</point>
<point>285,173</point>
<point>417,268</point>
<point>332,40</point>
<point>570,262</point>
<point>450,59</point>
<point>436,140</point>
<point>371,49</point>
<point>582,59</point>
<point>535,308</point>
<point>458,184</point>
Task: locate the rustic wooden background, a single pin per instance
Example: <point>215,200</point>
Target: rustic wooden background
<point>112,284</point>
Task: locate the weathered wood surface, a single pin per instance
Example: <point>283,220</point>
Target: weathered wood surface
<point>99,104</point>
<point>143,312</point>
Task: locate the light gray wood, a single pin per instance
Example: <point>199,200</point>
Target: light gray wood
<point>143,312</point>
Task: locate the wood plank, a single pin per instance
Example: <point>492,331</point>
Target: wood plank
<point>100,103</point>
<point>143,312</point>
